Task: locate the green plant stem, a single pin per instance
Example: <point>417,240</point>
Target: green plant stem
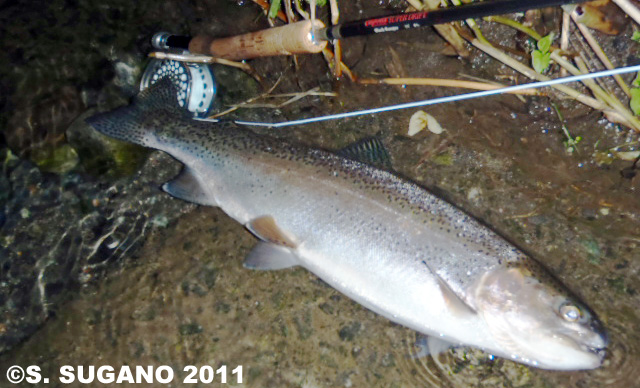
<point>607,98</point>
<point>588,36</point>
<point>473,25</point>
<point>570,140</point>
<point>608,103</point>
<point>514,24</point>
<point>529,72</point>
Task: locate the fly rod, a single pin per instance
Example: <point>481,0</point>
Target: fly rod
<point>307,37</point>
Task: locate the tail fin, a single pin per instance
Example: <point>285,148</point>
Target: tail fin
<point>129,123</point>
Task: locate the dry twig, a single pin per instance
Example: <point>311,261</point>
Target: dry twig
<point>207,59</point>
<point>588,36</point>
<point>453,83</point>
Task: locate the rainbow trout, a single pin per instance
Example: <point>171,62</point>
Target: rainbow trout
<point>384,241</point>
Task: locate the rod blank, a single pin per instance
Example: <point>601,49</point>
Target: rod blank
<point>410,20</point>
<point>301,38</point>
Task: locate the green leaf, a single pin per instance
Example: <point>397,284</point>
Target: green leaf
<point>274,8</point>
<point>636,36</point>
<point>540,60</point>
<point>636,82</point>
<point>544,44</point>
<point>319,3</point>
<point>634,104</point>
<point>443,159</point>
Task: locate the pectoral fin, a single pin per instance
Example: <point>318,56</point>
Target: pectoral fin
<point>431,346</point>
<point>186,186</point>
<point>437,346</point>
<point>268,256</point>
<point>265,228</point>
<point>455,304</point>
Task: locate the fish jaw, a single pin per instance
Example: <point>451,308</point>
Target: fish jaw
<point>551,352</point>
<point>565,354</point>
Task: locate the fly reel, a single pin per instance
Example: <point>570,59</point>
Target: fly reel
<point>195,82</point>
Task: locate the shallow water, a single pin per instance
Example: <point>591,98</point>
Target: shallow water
<point>173,290</point>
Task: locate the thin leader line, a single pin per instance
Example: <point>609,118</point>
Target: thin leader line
<point>458,97</point>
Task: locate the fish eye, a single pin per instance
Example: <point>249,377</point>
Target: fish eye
<point>570,312</point>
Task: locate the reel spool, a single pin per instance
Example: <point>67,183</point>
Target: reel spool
<point>195,83</point>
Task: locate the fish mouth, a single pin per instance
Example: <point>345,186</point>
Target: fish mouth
<point>594,341</point>
<point>595,354</point>
<point>600,352</point>
<point>598,348</point>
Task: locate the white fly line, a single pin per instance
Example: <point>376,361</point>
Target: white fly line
<point>441,100</point>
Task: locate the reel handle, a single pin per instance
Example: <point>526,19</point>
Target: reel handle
<point>294,38</point>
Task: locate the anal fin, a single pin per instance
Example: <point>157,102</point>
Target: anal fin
<point>268,256</point>
<point>186,186</point>
<point>265,228</point>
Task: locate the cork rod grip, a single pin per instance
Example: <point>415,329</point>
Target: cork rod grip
<point>295,38</point>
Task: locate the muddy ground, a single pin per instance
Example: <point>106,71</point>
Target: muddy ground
<point>100,267</point>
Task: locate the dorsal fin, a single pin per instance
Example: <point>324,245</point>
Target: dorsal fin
<point>369,150</point>
<point>161,95</point>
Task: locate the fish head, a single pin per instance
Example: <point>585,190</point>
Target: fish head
<point>536,321</point>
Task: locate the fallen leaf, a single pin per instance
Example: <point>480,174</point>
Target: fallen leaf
<point>627,155</point>
<point>421,120</point>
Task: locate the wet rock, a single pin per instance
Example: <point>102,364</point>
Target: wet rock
<point>590,214</point>
<point>388,360</point>
<point>93,316</point>
<point>222,307</point>
<point>592,249</point>
<point>234,86</point>
<point>146,313</point>
<point>327,308</point>
<point>349,332</point>
<point>190,328</point>
<point>100,154</point>
<point>127,68</point>
<point>36,127</point>
<point>304,325</point>
<point>137,349</point>
<point>200,280</point>
<point>55,159</point>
